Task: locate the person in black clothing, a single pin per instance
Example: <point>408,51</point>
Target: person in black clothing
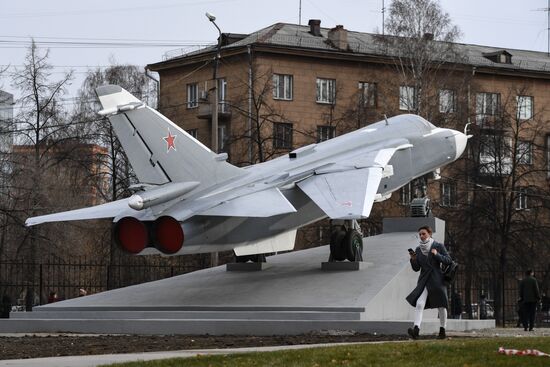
<point>456,306</point>
<point>529,295</point>
<point>430,291</point>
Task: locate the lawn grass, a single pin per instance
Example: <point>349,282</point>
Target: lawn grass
<point>452,352</point>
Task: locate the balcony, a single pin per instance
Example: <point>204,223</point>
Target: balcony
<point>205,111</point>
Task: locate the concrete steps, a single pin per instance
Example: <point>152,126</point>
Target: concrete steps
<point>197,313</point>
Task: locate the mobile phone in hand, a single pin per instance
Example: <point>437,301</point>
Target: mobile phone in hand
<point>410,251</point>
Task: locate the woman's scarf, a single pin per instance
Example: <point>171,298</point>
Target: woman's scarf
<point>425,246</point>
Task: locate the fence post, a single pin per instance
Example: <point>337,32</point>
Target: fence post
<point>108,277</point>
<point>40,285</point>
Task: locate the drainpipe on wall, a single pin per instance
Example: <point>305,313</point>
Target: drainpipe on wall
<point>250,89</point>
<point>157,82</point>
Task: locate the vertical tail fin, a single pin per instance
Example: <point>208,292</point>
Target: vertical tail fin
<point>160,151</point>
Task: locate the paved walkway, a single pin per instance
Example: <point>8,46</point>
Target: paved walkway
<point>98,360</point>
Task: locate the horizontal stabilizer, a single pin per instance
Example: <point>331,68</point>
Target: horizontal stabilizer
<point>108,210</point>
<point>344,195</point>
<point>264,203</point>
<point>280,242</point>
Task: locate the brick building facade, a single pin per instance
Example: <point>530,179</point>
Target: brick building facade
<point>286,86</point>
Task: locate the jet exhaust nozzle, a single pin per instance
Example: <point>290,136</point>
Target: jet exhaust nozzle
<point>131,235</point>
<point>168,235</point>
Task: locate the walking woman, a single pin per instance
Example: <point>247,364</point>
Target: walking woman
<point>430,291</point>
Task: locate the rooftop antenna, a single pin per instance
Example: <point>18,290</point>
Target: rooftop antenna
<point>300,13</point>
<point>547,10</point>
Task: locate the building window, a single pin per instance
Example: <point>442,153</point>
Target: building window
<point>407,98</point>
<point>326,90</point>
<point>525,107</point>
<point>192,95</point>
<point>521,199</point>
<point>282,135</point>
<point>524,153</point>
<point>487,106</point>
<point>367,94</point>
<point>223,105</point>
<point>405,194</point>
<point>447,101</point>
<point>325,133</point>
<point>448,194</point>
<point>495,155</point>
<point>193,133</point>
<point>282,87</point>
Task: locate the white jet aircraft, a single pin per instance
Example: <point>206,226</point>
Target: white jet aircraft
<point>190,200</point>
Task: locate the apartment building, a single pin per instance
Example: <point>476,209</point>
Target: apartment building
<point>288,85</point>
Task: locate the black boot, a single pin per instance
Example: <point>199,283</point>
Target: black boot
<point>442,334</point>
<point>414,332</point>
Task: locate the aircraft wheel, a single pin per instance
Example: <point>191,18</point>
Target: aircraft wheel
<point>337,250</point>
<point>353,244</point>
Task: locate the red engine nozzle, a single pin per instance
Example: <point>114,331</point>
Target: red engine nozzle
<point>131,235</point>
<point>168,235</point>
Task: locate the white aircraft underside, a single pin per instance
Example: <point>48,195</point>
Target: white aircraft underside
<point>193,201</point>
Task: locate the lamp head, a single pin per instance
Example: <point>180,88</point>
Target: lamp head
<point>210,17</point>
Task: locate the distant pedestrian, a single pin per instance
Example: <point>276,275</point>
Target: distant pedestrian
<point>456,306</point>
<point>53,297</point>
<point>483,307</point>
<point>529,295</point>
<point>430,291</point>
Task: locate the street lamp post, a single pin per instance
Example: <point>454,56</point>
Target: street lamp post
<point>215,106</point>
<point>212,18</point>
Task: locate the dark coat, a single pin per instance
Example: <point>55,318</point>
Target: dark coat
<point>529,290</point>
<point>431,276</point>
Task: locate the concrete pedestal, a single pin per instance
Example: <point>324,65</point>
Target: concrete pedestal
<point>291,296</point>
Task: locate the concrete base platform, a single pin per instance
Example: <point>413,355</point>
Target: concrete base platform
<point>291,296</point>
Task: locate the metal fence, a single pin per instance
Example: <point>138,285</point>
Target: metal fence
<point>25,284</point>
<point>495,295</point>
<point>480,294</point>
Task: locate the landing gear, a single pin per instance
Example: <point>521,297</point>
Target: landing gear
<point>346,242</point>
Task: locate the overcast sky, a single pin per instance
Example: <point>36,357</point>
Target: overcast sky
<point>149,29</point>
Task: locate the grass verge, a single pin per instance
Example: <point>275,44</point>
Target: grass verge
<point>447,353</point>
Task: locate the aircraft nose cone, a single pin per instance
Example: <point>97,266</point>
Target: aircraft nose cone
<point>460,143</point>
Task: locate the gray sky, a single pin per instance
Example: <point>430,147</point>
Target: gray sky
<point>173,24</point>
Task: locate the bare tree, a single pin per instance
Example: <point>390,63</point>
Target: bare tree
<point>40,124</point>
<point>503,217</point>
<point>423,43</point>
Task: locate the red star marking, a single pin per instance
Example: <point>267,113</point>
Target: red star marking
<point>170,140</point>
